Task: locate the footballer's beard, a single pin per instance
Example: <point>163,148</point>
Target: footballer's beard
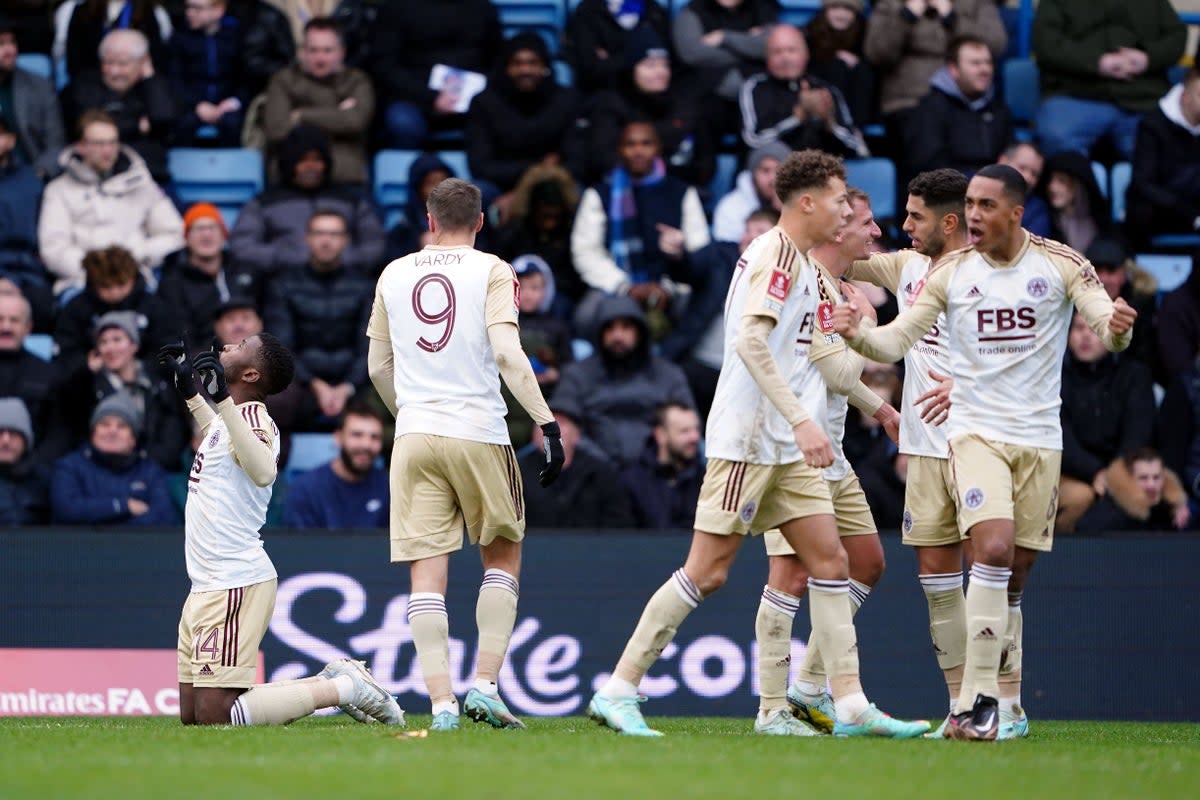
<point>354,468</point>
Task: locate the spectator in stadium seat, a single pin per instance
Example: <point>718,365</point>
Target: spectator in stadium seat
<point>354,18</point>
<point>521,119</point>
<point>1179,326</point>
<point>619,386</point>
<point>649,91</point>
<point>722,43</point>
<point>412,38</point>
<point>113,284</point>
<point>138,99</point>
<point>835,39</point>
<point>320,312</point>
<point>1027,159</point>
<point>587,494</point>
<point>635,232</point>
<point>22,374</point>
<point>1144,495</point>
<point>350,491</point>
<point>236,319</point>
<point>20,197</point>
<point>105,196</point>
<point>207,77</point>
<point>962,123</point>
<point>270,234</point>
<point>113,367</point>
<point>82,26</point>
<point>1124,278</point>
<point>906,43</point>
<point>596,37</point>
<point>320,91</point>
<point>664,482</point>
<point>1078,209</point>
<point>1106,412</point>
<point>24,483</point>
<point>412,232</point>
<point>753,189</point>
<point>1102,66</point>
<point>786,104</point>
<point>543,208</point>
<point>109,481</point>
<point>31,109</point>
<point>199,278</point>
<point>267,43</point>
<point>1164,193</point>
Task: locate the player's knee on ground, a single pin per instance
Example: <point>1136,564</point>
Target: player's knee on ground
<point>212,706</point>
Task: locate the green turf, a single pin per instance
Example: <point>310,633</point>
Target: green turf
<point>573,758</point>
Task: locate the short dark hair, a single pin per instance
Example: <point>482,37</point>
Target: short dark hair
<point>766,213</point>
<point>943,190</point>
<point>806,170</point>
<point>455,204</point>
<point>660,413</point>
<point>275,363</point>
<point>360,408</point>
<point>1010,152</point>
<point>111,266</point>
<point>1014,183</point>
<point>91,117</point>
<point>325,24</point>
<point>1140,454</point>
<point>954,48</point>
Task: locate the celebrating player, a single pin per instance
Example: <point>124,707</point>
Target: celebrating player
<point>233,580</point>
<point>766,450</point>
<point>443,330</point>
<point>935,221</point>
<point>825,365</point>
<point>1007,305</point>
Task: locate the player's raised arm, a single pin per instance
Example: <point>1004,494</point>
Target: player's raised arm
<point>172,359</point>
<point>1112,320</point>
<point>890,342</point>
<point>252,446</point>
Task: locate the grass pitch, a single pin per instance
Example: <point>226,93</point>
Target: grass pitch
<point>334,757</point>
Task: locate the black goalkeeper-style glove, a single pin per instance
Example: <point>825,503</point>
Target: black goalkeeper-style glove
<point>212,375</point>
<point>552,447</point>
<point>172,358</point>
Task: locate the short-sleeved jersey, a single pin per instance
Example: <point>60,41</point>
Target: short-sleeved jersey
<point>226,510</point>
<point>434,307</point>
<point>772,279</point>
<point>1007,329</point>
<point>904,274</point>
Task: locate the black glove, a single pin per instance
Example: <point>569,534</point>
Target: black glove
<point>172,358</point>
<point>212,374</point>
<point>552,447</point>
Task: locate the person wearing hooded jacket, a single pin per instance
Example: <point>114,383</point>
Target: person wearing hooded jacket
<point>597,35</point>
<point>105,196</point>
<point>1078,209</point>
<point>961,123</point>
<point>754,188</point>
<point>521,119</point>
<point>269,233</point>
<point>648,90</point>
<point>619,387</point>
<point>1164,193</point>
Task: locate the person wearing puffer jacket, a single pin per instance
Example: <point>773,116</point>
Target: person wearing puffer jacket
<point>104,197</point>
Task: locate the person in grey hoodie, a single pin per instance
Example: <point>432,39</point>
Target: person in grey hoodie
<point>619,387</point>
<point>961,123</point>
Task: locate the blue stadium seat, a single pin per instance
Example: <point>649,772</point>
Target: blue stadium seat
<point>391,179</point>
<point>547,17</point>
<point>227,178</point>
<point>1169,270</point>
<point>309,451</point>
<point>1021,91</point>
<point>1176,241</point>
<point>798,12</point>
<point>41,345</point>
<point>1122,173</point>
<point>37,63</point>
<point>876,177</point>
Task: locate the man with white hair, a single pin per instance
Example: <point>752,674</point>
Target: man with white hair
<point>127,87</point>
<point>22,374</point>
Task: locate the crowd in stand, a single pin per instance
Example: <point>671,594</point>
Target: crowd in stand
<point>598,185</point>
